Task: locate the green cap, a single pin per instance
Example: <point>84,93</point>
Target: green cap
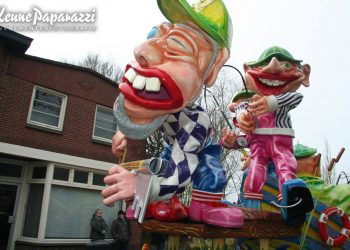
<point>301,151</point>
<point>275,51</point>
<point>209,15</point>
<point>243,94</point>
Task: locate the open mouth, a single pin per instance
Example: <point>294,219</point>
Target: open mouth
<point>270,84</point>
<point>150,87</point>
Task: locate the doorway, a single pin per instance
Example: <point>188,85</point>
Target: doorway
<point>8,195</point>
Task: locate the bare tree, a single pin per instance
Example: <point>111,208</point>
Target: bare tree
<point>226,86</point>
<point>104,67</point>
<point>329,177</point>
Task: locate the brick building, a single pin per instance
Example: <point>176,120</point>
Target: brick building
<point>55,136</point>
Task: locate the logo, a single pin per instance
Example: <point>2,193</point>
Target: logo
<point>40,20</point>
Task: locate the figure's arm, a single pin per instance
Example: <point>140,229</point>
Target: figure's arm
<point>289,99</point>
<point>184,159</point>
<point>263,104</point>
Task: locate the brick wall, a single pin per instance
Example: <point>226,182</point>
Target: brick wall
<point>84,90</point>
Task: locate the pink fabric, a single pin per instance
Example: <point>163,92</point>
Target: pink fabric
<point>267,120</point>
<point>263,148</point>
<point>230,217</point>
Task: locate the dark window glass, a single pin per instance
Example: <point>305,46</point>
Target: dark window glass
<point>105,123</point>
<point>10,170</point>
<point>70,212</point>
<point>80,176</point>
<point>46,108</point>
<point>32,218</point>
<point>98,180</point>
<point>61,174</point>
<point>39,173</point>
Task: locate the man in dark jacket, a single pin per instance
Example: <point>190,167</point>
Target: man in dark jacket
<point>98,226</point>
<point>121,231</point>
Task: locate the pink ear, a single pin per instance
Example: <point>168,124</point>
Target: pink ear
<point>220,60</point>
<point>306,71</point>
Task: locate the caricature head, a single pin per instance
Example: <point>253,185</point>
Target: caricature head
<point>276,72</point>
<point>242,96</point>
<point>308,161</point>
<point>173,65</point>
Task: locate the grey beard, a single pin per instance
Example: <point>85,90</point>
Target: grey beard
<point>130,129</point>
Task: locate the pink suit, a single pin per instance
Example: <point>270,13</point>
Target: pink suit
<point>266,146</point>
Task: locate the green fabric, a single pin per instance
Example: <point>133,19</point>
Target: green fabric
<point>301,151</point>
<point>331,195</point>
<point>274,51</point>
<point>243,94</point>
<point>209,15</point>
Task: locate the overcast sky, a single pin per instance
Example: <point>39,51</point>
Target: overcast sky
<point>316,31</point>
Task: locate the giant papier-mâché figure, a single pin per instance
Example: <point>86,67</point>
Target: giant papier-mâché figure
<point>274,78</point>
<point>158,91</point>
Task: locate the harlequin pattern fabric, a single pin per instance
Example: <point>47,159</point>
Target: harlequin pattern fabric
<point>189,153</point>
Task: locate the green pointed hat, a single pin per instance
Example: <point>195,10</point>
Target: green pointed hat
<point>209,15</point>
<point>275,51</point>
<point>243,94</point>
<point>301,151</point>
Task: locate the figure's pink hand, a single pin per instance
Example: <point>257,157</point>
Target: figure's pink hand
<point>246,122</point>
<point>119,142</point>
<point>229,138</point>
<point>259,105</point>
<point>121,185</point>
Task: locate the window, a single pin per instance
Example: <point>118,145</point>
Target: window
<point>105,124</point>
<point>39,173</point>
<point>10,170</point>
<point>70,211</point>
<point>47,108</point>
<point>61,174</point>
<point>98,180</point>
<point>32,218</point>
<point>71,197</point>
<point>81,176</point>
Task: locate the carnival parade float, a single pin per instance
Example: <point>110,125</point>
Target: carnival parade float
<point>283,203</point>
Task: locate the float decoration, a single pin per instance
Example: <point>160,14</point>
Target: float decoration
<point>343,234</point>
<point>274,77</point>
<point>158,91</point>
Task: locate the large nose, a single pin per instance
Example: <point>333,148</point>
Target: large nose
<point>149,53</point>
<point>274,67</point>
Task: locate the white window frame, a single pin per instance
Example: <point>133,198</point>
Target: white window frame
<point>62,111</point>
<point>48,183</point>
<point>97,138</point>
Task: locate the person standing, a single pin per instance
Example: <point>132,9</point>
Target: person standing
<point>98,226</point>
<point>121,231</point>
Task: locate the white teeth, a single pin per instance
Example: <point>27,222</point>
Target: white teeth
<point>139,82</point>
<point>153,84</point>
<point>272,82</point>
<point>130,75</point>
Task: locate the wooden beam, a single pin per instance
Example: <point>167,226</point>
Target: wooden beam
<point>258,224</point>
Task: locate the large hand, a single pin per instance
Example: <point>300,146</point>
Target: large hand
<point>119,142</point>
<point>229,138</point>
<point>259,105</point>
<point>121,185</point>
